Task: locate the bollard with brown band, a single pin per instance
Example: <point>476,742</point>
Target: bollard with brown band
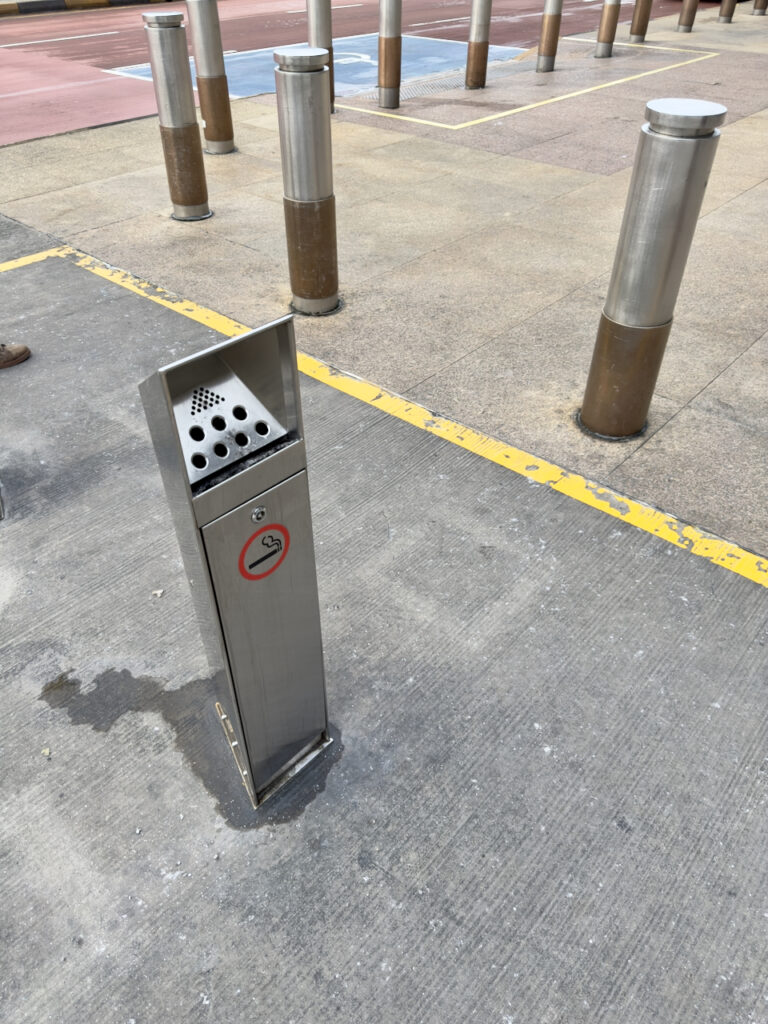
<point>477,48</point>
<point>320,35</point>
<point>759,6</point>
<point>687,15</point>
<point>390,52</point>
<point>727,7</point>
<point>550,34</point>
<point>606,33</point>
<point>212,88</point>
<point>641,15</point>
<point>179,131</point>
<point>304,120</point>
<point>672,164</point>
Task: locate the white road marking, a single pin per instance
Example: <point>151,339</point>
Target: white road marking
<point>52,88</point>
<point>59,39</point>
<point>440,21</point>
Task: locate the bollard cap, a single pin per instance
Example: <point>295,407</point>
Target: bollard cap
<point>687,119</point>
<point>168,19</point>
<point>301,58</point>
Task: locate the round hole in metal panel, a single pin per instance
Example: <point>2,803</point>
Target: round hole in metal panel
<point>199,461</point>
<point>241,439</point>
<point>218,422</point>
<point>262,428</point>
<point>196,433</point>
<point>239,413</point>
<point>221,450</point>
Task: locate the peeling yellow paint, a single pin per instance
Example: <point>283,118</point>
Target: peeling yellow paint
<point>578,488</point>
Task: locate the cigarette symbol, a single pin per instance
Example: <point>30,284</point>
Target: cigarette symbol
<point>275,546</point>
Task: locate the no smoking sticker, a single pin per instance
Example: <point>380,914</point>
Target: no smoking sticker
<point>264,552</point>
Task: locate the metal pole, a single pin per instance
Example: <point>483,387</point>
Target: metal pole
<point>727,7</point>
<point>390,52</point>
<point>304,120</point>
<point>179,132</point>
<point>550,33</point>
<point>211,76</point>
<point>687,15</point>
<point>641,15</point>
<point>672,164</point>
<point>759,6</point>
<point>477,49</point>
<point>320,35</point>
<point>606,33</point>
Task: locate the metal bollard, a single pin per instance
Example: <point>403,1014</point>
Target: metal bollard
<point>304,120</point>
<point>606,33</point>
<point>211,76</point>
<point>727,7</point>
<point>759,6</point>
<point>320,35</point>
<point>179,131</point>
<point>641,15</point>
<point>550,34</point>
<point>477,48</point>
<point>672,164</point>
<point>687,15</point>
<point>390,52</point>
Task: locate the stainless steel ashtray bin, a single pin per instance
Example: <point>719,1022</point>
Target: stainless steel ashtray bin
<point>227,429</point>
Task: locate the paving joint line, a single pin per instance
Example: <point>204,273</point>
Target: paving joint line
<point>604,499</point>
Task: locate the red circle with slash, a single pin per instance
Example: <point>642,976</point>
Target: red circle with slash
<point>265,556</point>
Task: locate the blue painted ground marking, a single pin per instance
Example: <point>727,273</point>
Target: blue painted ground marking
<point>355,64</point>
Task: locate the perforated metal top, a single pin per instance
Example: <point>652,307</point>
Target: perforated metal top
<point>221,422</point>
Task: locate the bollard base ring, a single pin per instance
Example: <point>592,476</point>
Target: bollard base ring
<point>202,212</point>
<point>637,39</point>
<point>684,28</point>
<point>219,148</point>
<point>607,437</point>
<point>604,50</point>
<point>317,307</point>
<point>545,63</point>
<point>389,97</point>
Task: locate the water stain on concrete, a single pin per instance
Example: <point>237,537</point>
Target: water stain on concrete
<point>191,713</point>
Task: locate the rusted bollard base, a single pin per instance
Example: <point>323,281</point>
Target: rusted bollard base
<point>606,32</point>
<point>477,64</point>
<point>310,230</point>
<point>640,18</point>
<point>550,34</point>
<point>186,172</point>
<point>625,364</point>
<point>214,106</point>
<point>390,56</point>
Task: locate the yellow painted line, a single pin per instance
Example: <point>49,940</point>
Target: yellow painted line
<point>35,257</point>
<point>586,492</point>
<point>578,488</point>
<point>207,317</point>
<point>702,55</point>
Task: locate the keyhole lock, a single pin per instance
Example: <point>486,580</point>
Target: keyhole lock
<point>258,514</point>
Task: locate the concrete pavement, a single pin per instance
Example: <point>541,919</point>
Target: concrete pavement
<point>546,799</point>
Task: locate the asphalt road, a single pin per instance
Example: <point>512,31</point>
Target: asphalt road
<point>52,73</point>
